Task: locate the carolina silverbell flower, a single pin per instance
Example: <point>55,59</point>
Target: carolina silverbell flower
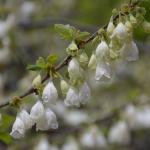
<point>47,121</point>
<point>64,86</point>
<point>120,32</point>
<point>50,94</point>
<point>37,111</point>
<point>110,28</point>
<point>92,62</point>
<point>84,93</point>
<point>74,69</point>
<point>129,51</point>
<point>72,97</point>
<point>103,72</point>
<point>102,51</point>
<point>18,129</point>
<point>25,117</point>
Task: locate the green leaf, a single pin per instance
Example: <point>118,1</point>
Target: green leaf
<point>52,59</point>
<point>81,35</point>
<point>66,32</point>
<point>34,68</point>
<point>41,62</point>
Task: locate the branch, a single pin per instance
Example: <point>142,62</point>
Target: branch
<point>67,59</point>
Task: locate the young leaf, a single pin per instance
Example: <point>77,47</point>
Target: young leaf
<point>52,59</point>
<point>41,62</point>
<point>33,67</point>
<point>66,32</point>
<point>81,35</point>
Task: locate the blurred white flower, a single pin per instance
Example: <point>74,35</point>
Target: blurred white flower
<point>37,111</point>
<point>103,72</point>
<point>26,9</point>
<point>84,93</point>
<point>42,145</point>
<point>72,97</point>
<point>119,133</point>
<point>130,51</point>
<point>71,144</point>
<point>120,32</point>
<point>76,118</point>
<point>47,121</point>
<point>102,51</point>
<point>137,118</point>
<point>18,129</point>
<point>93,138</point>
<point>50,94</point>
<point>25,117</point>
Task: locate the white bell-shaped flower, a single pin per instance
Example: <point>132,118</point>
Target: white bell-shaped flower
<point>74,69</point>
<point>64,86</point>
<point>92,62</point>
<point>25,117</point>
<point>47,121</point>
<point>119,133</point>
<point>102,50</point>
<point>18,129</point>
<point>110,28</point>
<point>103,72</point>
<point>72,97</point>
<point>50,94</point>
<point>130,51</point>
<point>37,111</point>
<point>120,32</point>
<point>84,93</point>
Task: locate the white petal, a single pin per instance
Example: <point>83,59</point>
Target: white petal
<point>37,111</point>
<point>130,51</point>
<point>18,129</point>
<point>72,97</point>
<point>50,94</point>
<point>103,72</point>
<point>84,93</point>
<point>25,117</point>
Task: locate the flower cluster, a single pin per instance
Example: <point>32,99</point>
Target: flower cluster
<point>114,41</point>
<point>40,115</point>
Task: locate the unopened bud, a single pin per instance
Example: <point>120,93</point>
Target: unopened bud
<point>72,49</point>
<point>36,81</point>
<point>64,86</point>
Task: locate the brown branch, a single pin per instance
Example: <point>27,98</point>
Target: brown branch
<point>66,60</point>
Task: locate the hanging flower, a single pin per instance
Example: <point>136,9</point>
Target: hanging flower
<point>84,93</point>
<point>130,51</point>
<point>18,129</point>
<point>103,72</point>
<point>25,117</point>
<point>72,97</point>
<point>110,28</point>
<point>37,111</point>
<point>120,32</point>
<point>47,121</point>
<point>119,133</point>
<point>102,51</point>
<point>50,94</point>
<point>74,69</point>
<point>92,62</point>
<point>64,86</point>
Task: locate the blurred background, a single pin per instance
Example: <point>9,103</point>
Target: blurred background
<point>118,115</point>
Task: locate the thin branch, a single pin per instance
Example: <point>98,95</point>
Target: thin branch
<point>65,61</point>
